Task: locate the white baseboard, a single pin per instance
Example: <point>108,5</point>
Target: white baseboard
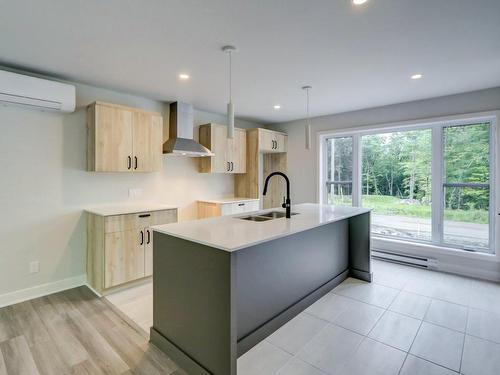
<point>41,290</point>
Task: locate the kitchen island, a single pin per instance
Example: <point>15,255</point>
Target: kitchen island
<point>221,285</point>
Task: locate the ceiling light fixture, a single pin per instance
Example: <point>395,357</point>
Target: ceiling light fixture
<point>359,2</point>
<point>230,107</point>
<point>277,106</point>
<point>308,121</point>
<point>416,76</point>
<point>184,76</point>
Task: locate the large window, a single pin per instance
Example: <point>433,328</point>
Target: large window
<point>396,183</point>
<point>430,183</point>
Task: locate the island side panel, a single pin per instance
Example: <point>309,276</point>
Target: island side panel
<point>193,320</point>
<point>274,277</point>
<point>359,247</point>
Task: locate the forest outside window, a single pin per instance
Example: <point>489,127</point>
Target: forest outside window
<point>428,184</point>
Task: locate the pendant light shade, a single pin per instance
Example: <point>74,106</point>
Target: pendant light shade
<point>230,107</point>
<point>230,120</point>
<point>308,120</point>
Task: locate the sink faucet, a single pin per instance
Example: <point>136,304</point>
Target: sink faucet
<point>286,202</point>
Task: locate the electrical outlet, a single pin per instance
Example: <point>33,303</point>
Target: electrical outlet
<point>35,266</point>
<point>134,193</point>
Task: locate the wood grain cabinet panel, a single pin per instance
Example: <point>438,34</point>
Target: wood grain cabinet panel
<point>230,154</point>
<point>123,139</point>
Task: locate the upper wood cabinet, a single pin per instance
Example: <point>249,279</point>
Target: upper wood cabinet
<point>230,154</point>
<point>272,141</point>
<point>123,139</point>
<point>266,153</point>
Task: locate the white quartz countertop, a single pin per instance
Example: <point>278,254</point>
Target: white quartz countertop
<point>128,208</point>
<point>228,200</point>
<point>230,233</point>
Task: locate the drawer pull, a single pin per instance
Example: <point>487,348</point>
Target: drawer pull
<point>145,215</point>
<point>241,204</point>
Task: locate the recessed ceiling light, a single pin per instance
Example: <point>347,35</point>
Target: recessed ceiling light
<point>277,106</point>
<point>416,76</point>
<point>184,76</point>
<point>359,2</point>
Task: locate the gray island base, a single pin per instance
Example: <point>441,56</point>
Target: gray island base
<point>214,298</point>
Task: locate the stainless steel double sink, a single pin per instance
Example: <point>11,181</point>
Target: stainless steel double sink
<point>267,216</point>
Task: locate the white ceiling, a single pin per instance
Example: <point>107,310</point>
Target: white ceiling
<point>354,57</point>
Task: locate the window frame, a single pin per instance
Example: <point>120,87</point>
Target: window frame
<point>437,146</point>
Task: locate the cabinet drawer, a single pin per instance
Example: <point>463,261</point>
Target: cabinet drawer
<point>120,223</point>
<point>163,217</point>
<point>239,207</point>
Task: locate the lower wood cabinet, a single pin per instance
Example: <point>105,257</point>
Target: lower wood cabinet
<point>120,247</point>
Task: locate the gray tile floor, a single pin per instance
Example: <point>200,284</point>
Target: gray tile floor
<point>407,322</point>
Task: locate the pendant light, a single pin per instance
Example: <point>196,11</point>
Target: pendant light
<point>308,120</point>
<point>230,107</point>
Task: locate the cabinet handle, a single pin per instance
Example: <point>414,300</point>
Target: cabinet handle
<point>241,204</point>
<point>129,162</point>
<point>135,162</point>
<point>228,165</point>
<point>232,166</point>
<point>144,215</point>
<point>149,237</point>
<point>142,237</point>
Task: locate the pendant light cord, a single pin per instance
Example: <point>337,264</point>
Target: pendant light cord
<point>307,106</point>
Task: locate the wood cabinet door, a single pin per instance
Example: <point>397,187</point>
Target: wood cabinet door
<point>113,139</point>
<point>266,140</point>
<point>148,252</point>
<point>238,156</point>
<point>144,129</point>
<point>281,142</point>
<point>123,257</point>
<point>221,148</point>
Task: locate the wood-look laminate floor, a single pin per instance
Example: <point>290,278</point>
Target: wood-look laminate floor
<point>74,332</point>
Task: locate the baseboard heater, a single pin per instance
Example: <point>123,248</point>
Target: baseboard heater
<point>409,260</point>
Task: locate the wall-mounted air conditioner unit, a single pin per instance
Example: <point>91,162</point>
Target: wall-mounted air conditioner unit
<point>36,92</point>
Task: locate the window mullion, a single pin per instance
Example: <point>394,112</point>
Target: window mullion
<point>437,185</point>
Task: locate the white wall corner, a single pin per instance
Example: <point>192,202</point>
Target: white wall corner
<point>22,295</point>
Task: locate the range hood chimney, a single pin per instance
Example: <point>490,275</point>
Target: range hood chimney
<point>180,138</point>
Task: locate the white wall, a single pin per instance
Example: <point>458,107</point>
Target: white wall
<point>303,164</point>
<point>44,187</point>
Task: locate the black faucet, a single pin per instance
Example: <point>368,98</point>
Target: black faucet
<point>286,202</point>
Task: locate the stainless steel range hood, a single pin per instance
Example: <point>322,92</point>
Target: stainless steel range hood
<point>180,141</point>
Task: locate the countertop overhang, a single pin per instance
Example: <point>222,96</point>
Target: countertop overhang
<point>231,233</point>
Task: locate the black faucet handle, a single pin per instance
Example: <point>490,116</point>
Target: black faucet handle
<point>284,202</point>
